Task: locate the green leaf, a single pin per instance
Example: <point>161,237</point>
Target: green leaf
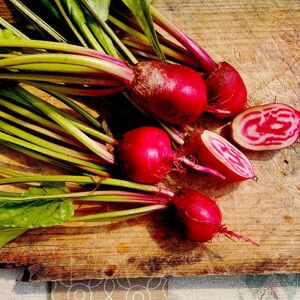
<point>39,213</point>
<point>100,7</point>
<point>9,234</point>
<point>142,13</point>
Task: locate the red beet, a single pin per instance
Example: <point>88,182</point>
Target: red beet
<point>201,216</point>
<point>226,91</point>
<point>266,127</point>
<point>146,156</point>
<point>215,152</point>
<point>174,93</point>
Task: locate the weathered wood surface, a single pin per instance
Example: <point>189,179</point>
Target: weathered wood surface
<point>260,38</point>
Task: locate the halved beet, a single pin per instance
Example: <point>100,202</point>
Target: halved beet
<point>266,127</point>
<point>213,151</point>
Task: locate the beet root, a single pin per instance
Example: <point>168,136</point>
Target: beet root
<point>173,93</point>
<point>201,216</point>
<point>226,91</point>
<point>145,154</point>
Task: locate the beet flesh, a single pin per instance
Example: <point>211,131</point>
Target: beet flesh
<point>173,93</point>
<point>215,152</point>
<point>145,154</point>
<point>226,91</point>
<point>271,126</point>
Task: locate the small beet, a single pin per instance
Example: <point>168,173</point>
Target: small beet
<point>201,216</point>
<point>145,154</point>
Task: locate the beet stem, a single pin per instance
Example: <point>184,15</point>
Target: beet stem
<point>199,53</point>
<point>199,168</point>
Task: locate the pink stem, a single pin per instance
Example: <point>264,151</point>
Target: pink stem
<point>206,61</point>
<point>214,110</point>
<point>228,233</point>
<point>199,168</point>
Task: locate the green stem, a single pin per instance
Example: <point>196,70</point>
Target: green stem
<point>19,95</point>
<point>9,194</point>
<point>76,91</point>
<point>69,126</point>
<point>171,53</point>
<point>87,80</point>
<point>125,74</point>
<point>67,101</point>
<point>4,171</point>
<point>207,63</point>
<point>90,180</point>
<point>60,156</point>
<point>119,43</point>
<point>111,33</point>
<point>29,114</point>
<point>120,215</point>
<point>60,68</point>
<point>95,196</point>
<point>13,130</point>
<point>38,129</point>
<point>60,47</point>
<point>90,37</point>
<point>27,96</point>
<point>47,159</point>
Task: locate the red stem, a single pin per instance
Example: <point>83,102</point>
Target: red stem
<point>199,168</point>
<point>206,61</point>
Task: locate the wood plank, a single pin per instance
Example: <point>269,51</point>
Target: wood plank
<point>260,38</point>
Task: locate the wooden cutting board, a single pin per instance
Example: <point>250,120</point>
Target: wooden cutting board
<point>261,39</point>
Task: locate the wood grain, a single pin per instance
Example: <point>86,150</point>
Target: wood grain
<point>260,38</point>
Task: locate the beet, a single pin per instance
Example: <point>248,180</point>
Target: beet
<point>173,93</point>
<point>145,154</point>
<point>215,152</point>
<point>201,216</point>
<point>226,91</point>
<point>266,127</point>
